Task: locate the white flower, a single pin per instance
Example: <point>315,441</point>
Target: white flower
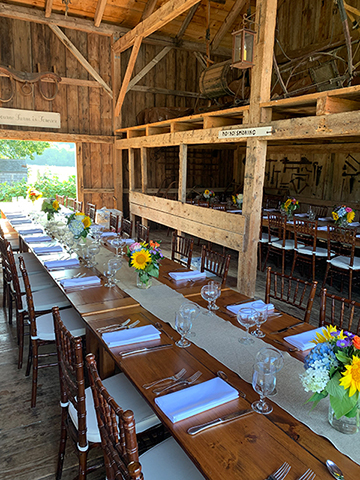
<point>315,378</point>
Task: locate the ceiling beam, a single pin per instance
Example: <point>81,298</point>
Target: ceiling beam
<point>100,8</point>
<point>187,21</point>
<point>162,16</point>
<point>48,8</point>
<point>148,67</point>
<point>70,46</point>
<point>149,9</point>
<point>228,23</point>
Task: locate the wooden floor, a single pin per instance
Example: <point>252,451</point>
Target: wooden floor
<point>29,437</point>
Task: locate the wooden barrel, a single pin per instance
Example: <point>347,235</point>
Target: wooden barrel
<point>214,80</point>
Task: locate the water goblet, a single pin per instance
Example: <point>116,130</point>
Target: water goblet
<point>217,286</point>
<point>192,310</point>
<point>113,266</point>
<point>209,293</point>
<point>183,325</point>
<point>116,243</point>
<point>263,382</point>
<point>271,356</point>
<point>93,249</point>
<point>261,318</point>
<point>247,318</point>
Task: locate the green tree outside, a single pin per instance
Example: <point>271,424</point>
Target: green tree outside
<point>18,149</point>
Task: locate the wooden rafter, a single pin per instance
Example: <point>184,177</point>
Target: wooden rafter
<point>127,76</point>
<point>48,8</point>
<point>149,9</point>
<point>100,8</point>
<point>148,67</point>
<point>162,16</point>
<point>228,23</point>
<point>70,46</point>
<point>187,21</point>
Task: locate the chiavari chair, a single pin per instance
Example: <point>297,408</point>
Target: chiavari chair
<point>278,244</point>
<point>215,263</point>
<point>91,211</point>
<point>126,227</point>
<point>78,206</point>
<point>341,312</point>
<point>70,203</point>
<point>181,249</point>
<point>142,233</point>
<point>114,222</point>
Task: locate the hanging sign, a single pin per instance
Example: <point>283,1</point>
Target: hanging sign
<point>246,132</point>
<point>29,118</point>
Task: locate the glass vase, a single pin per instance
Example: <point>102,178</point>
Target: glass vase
<point>290,215</point>
<point>342,222</point>
<point>144,282</point>
<point>344,424</point>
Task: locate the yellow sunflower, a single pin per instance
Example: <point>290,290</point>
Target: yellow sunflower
<point>350,216</point>
<point>79,213</point>
<point>140,259</point>
<point>335,216</point>
<point>351,378</point>
<point>206,192</point>
<point>326,336</point>
<point>55,205</point>
<point>287,203</point>
<point>86,222</point>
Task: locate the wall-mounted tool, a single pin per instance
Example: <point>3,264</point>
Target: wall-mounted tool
<point>303,188</point>
<point>314,165</point>
<point>351,166</point>
<point>318,174</point>
<point>352,179</point>
<point>353,158</point>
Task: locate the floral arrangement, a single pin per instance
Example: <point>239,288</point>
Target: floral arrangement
<point>333,368</point>
<point>342,214</point>
<point>290,205</point>
<point>208,194</point>
<point>50,206</point>
<point>33,194</point>
<point>145,258</point>
<point>238,199</point>
<point>79,224</point>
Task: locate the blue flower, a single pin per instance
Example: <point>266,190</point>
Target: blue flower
<point>346,342</point>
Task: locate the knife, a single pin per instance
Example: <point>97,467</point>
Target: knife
<point>287,328</point>
<point>219,421</point>
<point>145,349</point>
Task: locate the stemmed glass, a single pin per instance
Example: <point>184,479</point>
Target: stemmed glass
<point>61,232</point>
<point>261,318</point>
<point>216,285</point>
<point>192,310</point>
<point>247,317</point>
<point>116,243</point>
<point>96,232</point>
<point>263,382</point>
<point>270,356</point>
<point>183,325</point>
<point>92,250</point>
<point>209,293</point>
<point>113,266</point>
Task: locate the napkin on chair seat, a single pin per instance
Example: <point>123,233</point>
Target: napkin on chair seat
<point>189,275</point>
<point>131,335</point>
<point>81,282</point>
<point>303,340</point>
<point>48,249</point>
<point>257,305</point>
<point>37,239</point>
<point>62,264</point>
<point>196,399</point>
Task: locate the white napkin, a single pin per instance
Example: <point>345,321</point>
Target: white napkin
<point>301,215</point>
<point>81,282</point>
<point>189,275</point>
<point>37,239</point>
<point>131,335</point>
<point>48,249</point>
<point>28,231</point>
<point>354,224</point>
<point>15,216</point>
<point>234,211</point>
<point>303,340</point>
<point>290,222</point>
<point>108,234</point>
<point>257,305</point>
<point>129,241</point>
<point>270,209</point>
<point>20,221</point>
<point>196,399</point>
<point>61,264</point>
<point>325,219</point>
<point>323,228</point>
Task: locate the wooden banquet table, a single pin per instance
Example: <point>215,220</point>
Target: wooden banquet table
<point>251,447</point>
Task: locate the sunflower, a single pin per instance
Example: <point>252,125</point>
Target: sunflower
<point>335,216</point>
<point>86,222</point>
<point>287,203</point>
<point>326,336</point>
<point>350,216</point>
<point>351,378</point>
<point>206,192</point>
<point>140,259</point>
<point>55,205</point>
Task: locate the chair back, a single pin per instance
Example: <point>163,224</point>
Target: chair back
<point>71,373</point>
<point>290,290</point>
<point>181,249</point>
<point>114,222</point>
<point>78,206</point>
<point>29,298</point>
<point>142,233</point>
<point>126,227</point>
<point>339,311</point>
<point>203,203</point>
<point>341,241</point>
<point>305,232</point>
<point>5,263</point>
<point>91,211</point>
<point>15,277</point>
<point>318,210</point>
<point>70,203</point>
<point>215,262</point>
<point>219,206</point>
<point>60,199</point>
<point>117,430</point>
<point>277,227</point>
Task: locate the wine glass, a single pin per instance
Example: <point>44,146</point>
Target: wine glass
<point>263,382</point>
<point>217,286</point>
<point>247,318</point>
<point>183,325</point>
<point>92,250</point>
<point>192,310</point>
<point>96,231</point>
<point>261,318</point>
<point>272,356</point>
<point>209,293</point>
<point>116,243</point>
<point>113,266</point>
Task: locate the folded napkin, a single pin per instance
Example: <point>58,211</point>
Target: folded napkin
<point>323,228</point>
<point>129,241</point>
<point>81,282</point>
<point>303,340</point>
<point>108,234</point>
<point>20,221</point>
<point>131,335</point>
<point>37,239</point>
<point>189,275</point>
<point>257,305</point>
<point>325,219</point>
<point>196,399</point>
<point>15,216</point>
<point>234,211</point>
<point>354,224</point>
<point>28,231</point>
<point>270,209</point>
<point>358,236</point>
<point>290,222</point>
<point>48,249</point>
<point>61,264</point>
<point>301,215</point>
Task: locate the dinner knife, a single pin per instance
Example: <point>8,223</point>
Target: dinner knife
<point>287,328</point>
<point>226,418</point>
<point>145,349</point>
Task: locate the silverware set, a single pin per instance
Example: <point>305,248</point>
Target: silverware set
<point>116,326</point>
<point>174,378</point>
<point>178,383</point>
<point>284,469</point>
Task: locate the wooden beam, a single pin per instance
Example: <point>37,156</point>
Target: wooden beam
<point>131,169</point>
<point>48,8</point>
<point>228,23</point>
<point>79,172</point>
<point>148,67</point>
<point>162,16</point>
<point>165,91</point>
<point>328,105</point>
<point>54,136</point>
<point>200,59</point>
<point>182,172</point>
<point>144,177</point>
<point>70,46</point>
<point>100,8</point>
<point>187,21</point>
<point>127,76</point>
<point>149,9</point>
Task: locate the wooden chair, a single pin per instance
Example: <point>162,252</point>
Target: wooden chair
<point>114,222</point>
<point>70,203</point>
<point>339,311</point>
<point>142,233</point>
<point>219,206</point>
<point>60,199</point>
<point>126,227</point>
<point>341,242</point>
<point>118,440</point>
<point>319,210</point>
<point>91,211</point>
<point>215,262</point>
<point>78,206</point>
<point>181,249</point>
<point>263,242</point>
<point>203,203</point>
<point>278,244</point>
<point>290,290</point>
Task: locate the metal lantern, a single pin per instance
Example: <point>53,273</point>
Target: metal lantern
<point>243,48</point>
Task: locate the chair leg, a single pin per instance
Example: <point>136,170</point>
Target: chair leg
<point>20,335</point>
<point>10,308</point>
<point>82,465</point>
<point>266,259</point>
<point>29,361</point>
<point>283,262</point>
<point>35,355</point>
<point>326,275</point>
<point>62,446</point>
<point>294,263</point>
<point>350,283</point>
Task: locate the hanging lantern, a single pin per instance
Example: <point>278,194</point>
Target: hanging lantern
<point>243,48</point>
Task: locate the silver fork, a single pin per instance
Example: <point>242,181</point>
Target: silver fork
<point>280,473</point>
<point>187,381</point>
<point>308,475</point>
<point>113,326</point>
<point>175,377</point>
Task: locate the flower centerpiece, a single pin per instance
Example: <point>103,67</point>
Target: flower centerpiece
<point>333,368</point>
<point>343,215</point>
<point>145,258</point>
<point>208,195</point>
<point>238,199</point>
<point>50,206</point>
<point>79,224</point>
<point>289,207</point>
<point>33,194</point>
